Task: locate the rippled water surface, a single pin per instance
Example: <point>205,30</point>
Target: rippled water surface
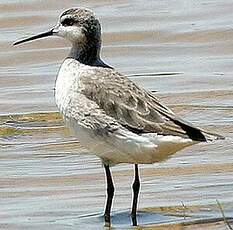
<point>181,49</point>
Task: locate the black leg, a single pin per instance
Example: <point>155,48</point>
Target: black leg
<point>136,187</point>
<point>110,194</point>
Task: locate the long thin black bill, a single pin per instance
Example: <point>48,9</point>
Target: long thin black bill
<point>42,35</point>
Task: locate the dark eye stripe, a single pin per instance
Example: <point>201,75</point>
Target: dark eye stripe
<point>67,22</point>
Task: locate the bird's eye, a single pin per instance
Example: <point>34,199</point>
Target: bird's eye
<point>67,22</point>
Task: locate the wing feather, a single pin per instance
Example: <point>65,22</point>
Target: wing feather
<point>133,107</point>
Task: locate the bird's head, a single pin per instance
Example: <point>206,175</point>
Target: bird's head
<point>77,25</point>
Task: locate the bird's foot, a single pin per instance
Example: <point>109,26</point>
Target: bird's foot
<point>107,220</point>
<point>134,219</point>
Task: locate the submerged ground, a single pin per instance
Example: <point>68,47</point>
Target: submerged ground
<point>181,49</point>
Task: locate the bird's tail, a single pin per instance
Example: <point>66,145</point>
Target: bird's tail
<point>211,136</point>
<point>196,133</point>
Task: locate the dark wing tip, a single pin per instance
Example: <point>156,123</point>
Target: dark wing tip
<point>197,134</point>
<point>192,132</point>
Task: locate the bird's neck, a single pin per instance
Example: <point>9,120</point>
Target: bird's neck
<point>87,53</point>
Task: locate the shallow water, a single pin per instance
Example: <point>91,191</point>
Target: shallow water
<point>181,49</point>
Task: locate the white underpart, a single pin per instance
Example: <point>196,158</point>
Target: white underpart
<point>127,147</point>
<point>121,146</point>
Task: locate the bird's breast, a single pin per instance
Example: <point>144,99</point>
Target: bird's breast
<point>67,84</point>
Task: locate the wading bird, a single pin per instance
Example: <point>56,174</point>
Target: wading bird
<point>113,117</point>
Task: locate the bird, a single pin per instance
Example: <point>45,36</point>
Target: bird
<point>112,116</point>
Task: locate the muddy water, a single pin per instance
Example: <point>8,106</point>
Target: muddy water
<point>181,49</point>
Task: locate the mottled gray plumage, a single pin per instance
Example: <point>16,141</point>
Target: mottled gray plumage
<point>112,116</point>
<point>133,107</point>
<point>118,97</point>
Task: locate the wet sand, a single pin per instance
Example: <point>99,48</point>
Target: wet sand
<point>182,50</point>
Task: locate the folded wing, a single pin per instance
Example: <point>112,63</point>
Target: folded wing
<point>134,108</point>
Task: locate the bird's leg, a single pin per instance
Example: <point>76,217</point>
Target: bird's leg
<point>110,194</point>
<point>136,187</point>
